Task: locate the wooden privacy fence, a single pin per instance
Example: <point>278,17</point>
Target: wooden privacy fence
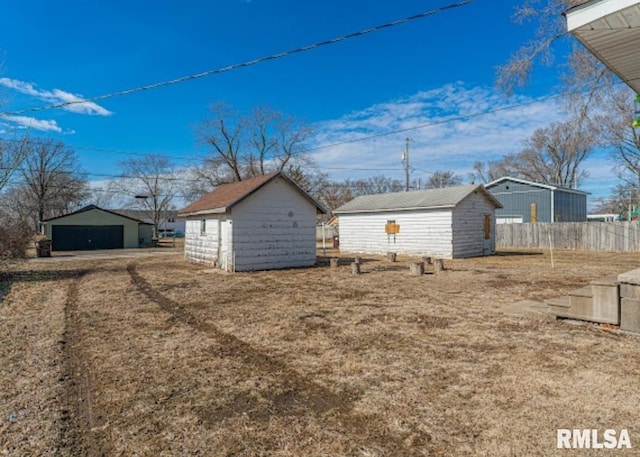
<point>580,236</point>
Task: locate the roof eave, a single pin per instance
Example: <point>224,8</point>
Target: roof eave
<point>204,212</point>
<point>390,210</point>
<point>609,30</point>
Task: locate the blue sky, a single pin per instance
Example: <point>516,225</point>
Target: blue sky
<point>421,73</point>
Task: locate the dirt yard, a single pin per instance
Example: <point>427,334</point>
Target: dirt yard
<point>157,357</point>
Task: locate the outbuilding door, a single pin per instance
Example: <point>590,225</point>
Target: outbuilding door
<point>226,245</point>
<point>487,243</point>
<point>87,237</point>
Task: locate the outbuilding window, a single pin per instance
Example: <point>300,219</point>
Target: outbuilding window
<point>203,226</point>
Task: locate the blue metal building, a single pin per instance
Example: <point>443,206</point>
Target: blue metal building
<point>523,201</point>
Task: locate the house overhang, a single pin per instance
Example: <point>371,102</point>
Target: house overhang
<point>610,29</point>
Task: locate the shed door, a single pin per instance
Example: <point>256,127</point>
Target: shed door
<point>226,245</point>
<point>87,237</point>
<point>487,244</point>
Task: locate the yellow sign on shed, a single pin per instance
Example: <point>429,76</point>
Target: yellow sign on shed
<point>391,228</point>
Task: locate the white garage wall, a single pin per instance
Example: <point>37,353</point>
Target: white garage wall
<point>425,232</point>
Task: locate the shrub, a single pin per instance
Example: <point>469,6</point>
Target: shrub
<point>15,237</point>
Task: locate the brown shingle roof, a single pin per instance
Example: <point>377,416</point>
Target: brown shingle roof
<point>226,196</point>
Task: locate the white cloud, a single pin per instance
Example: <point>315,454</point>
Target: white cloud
<point>56,96</point>
<point>38,124</point>
<point>442,137</point>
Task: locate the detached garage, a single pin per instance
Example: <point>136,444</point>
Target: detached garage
<point>92,228</point>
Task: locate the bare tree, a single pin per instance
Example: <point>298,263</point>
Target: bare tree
<point>550,27</point>
<point>486,172</point>
<point>149,182</point>
<point>12,154</point>
<point>334,195</point>
<point>244,146</point>
<point>52,182</point>
<point>622,197</point>
<point>592,93</point>
<point>374,185</point>
<point>443,178</point>
<point>552,155</point>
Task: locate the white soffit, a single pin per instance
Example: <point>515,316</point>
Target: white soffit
<point>610,29</point>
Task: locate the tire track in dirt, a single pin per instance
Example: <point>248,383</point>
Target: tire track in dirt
<point>81,429</point>
<point>301,395</point>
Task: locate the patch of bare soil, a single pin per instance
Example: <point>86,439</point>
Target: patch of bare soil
<point>156,357</point>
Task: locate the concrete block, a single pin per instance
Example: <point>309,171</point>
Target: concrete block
<point>560,307</point>
<point>581,304</point>
<point>333,262</point>
<point>582,292</point>
<point>391,256</point>
<point>606,304</point>
<point>355,268</point>
<point>630,315</point>
<point>630,277</point>
<point>629,291</point>
<point>417,268</point>
<point>611,280</point>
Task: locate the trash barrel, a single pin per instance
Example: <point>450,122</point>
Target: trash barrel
<point>336,242</point>
<point>44,248</point>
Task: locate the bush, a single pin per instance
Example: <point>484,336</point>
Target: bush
<point>15,237</point>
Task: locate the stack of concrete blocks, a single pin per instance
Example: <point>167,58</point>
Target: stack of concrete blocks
<point>598,302</point>
<point>630,301</point>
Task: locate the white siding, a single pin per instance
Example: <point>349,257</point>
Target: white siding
<point>274,228</point>
<point>426,232</point>
<point>468,227</point>
<point>198,247</point>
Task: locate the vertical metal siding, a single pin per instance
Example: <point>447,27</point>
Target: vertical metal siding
<point>516,199</point>
<point>569,207</point>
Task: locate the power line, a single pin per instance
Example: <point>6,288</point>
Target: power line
<point>244,64</point>
<point>355,140</point>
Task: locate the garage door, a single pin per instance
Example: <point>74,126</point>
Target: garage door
<point>87,237</point>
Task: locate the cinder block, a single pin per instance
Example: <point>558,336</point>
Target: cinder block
<point>630,291</point>
<point>630,315</point>
<point>606,304</point>
<point>630,277</point>
<point>581,305</point>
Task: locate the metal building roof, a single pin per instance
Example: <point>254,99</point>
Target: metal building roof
<point>610,29</point>
<point>534,184</point>
<point>447,197</point>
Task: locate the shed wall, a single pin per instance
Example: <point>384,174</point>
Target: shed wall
<point>426,232</point>
<point>274,228</point>
<point>469,227</point>
<point>202,247</point>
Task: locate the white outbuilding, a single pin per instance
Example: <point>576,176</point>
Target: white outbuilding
<point>263,223</point>
<point>446,223</point>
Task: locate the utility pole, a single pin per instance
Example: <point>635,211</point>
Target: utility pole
<point>405,162</point>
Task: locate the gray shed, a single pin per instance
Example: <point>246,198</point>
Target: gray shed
<point>527,201</point>
<point>448,223</point>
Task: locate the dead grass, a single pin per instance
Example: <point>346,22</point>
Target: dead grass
<point>310,362</point>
